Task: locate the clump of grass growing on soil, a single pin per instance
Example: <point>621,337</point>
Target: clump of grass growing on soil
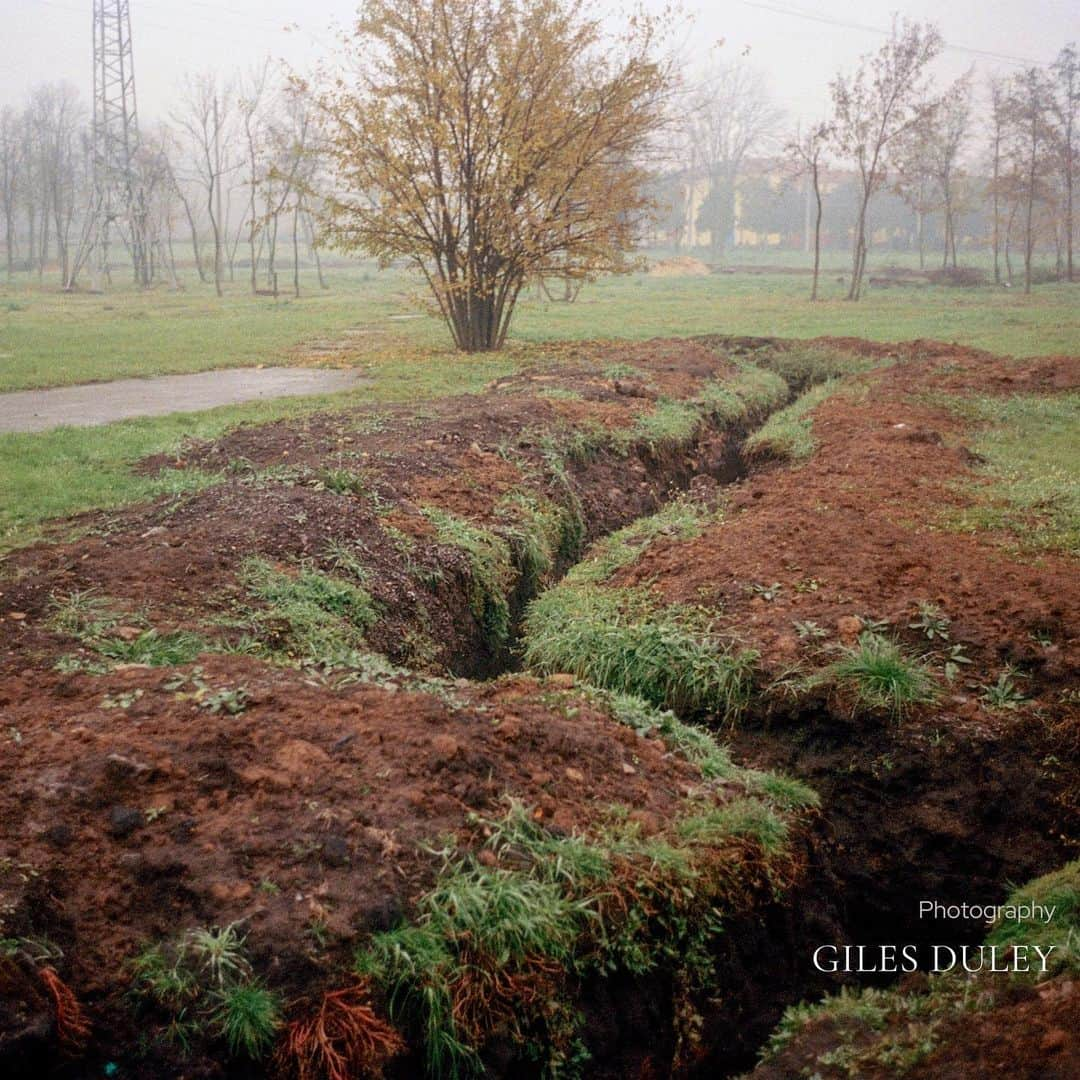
<point>620,639</point>
<point>539,531</point>
<point>92,619</point>
<point>788,434</point>
<point>803,364</point>
<point>669,425</point>
<point>202,983</point>
<point>501,939</point>
<point>700,747</point>
<point>752,391</point>
<point>883,676</point>
<point>491,566</point>
<point>157,649</point>
<point>1060,890</point>
<point>680,519</point>
<point>324,617</point>
<point>1033,462</point>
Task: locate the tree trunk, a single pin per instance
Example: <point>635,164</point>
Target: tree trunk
<point>817,234</point>
<point>296,250</point>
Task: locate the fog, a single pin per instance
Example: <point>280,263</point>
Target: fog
<point>800,46</point>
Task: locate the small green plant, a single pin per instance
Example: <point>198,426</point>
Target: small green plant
<point>248,1017</point>
<point>809,630</point>
<point>932,621</point>
<point>231,702</point>
<point>83,612</point>
<point>203,982</point>
<point>220,952</point>
<point>154,648</point>
<point>955,658</point>
<point>883,677</point>
<point>1004,694</point>
<point>346,558</point>
<point>767,592</point>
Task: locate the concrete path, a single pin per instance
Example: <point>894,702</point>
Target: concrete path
<point>102,403</point>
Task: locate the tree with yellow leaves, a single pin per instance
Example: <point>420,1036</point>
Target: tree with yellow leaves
<point>489,143</point>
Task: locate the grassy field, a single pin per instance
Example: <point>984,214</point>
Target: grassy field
<point>48,338</point>
<point>370,319</point>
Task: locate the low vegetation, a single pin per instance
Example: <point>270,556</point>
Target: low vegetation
<point>1032,465</point>
<point>788,434</point>
<point>882,677</point>
<point>499,941</point>
<point>621,639</point>
<point>202,983</point>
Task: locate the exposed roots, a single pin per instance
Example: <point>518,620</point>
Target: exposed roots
<point>344,1040</point>
<point>72,1026</point>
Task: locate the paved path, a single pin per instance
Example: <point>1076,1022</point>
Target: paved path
<point>102,403</point>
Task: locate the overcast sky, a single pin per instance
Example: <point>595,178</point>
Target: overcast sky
<point>800,45</point>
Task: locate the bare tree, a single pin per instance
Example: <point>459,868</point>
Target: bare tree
<point>1066,73</point>
<point>998,121</point>
<point>806,153</point>
<point>206,119</point>
<point>1032,142</point>
<point>883,99</point>
<point>733,116</point>
<point>11,166</point>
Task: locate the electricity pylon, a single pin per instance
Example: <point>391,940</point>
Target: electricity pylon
<point>119,200</point>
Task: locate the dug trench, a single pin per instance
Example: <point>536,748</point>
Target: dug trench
<point>233,708</point>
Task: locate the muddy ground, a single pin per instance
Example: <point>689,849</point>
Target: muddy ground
<point>307,795</point>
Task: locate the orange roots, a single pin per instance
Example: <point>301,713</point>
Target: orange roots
<point>342,1041</point>
<point>72,1027</point>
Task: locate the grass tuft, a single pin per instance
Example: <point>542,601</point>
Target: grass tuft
<point>492,568</point>
<point>788,434</point>
<point>619,639</point>
<point>248,1018</point>
<point>884,677</point>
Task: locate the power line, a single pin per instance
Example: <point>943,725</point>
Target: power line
<point>828,20</point>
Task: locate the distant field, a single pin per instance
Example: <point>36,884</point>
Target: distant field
<point>370,319</point>
<point>48,338</point>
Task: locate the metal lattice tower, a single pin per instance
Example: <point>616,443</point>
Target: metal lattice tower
<point>119,202</point>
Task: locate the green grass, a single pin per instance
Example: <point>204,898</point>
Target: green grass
<point>680,519</point>
<point>48,338</point>
<point>59,473</point>
<point>788,435</point>
<point>1060,889</point>
<point>883,676</point>
<point>156,649</point>
<point>1033,465</point>
<point>547,909</point>
<point>619,639</point>
<point>247,1017</point>
<point>326,616</point>
<point>202,980</point>
<point>491,564</point>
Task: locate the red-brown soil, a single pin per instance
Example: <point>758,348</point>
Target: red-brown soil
<point>129,811</point>
<point>177,561</point>
<point>959,798</point>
